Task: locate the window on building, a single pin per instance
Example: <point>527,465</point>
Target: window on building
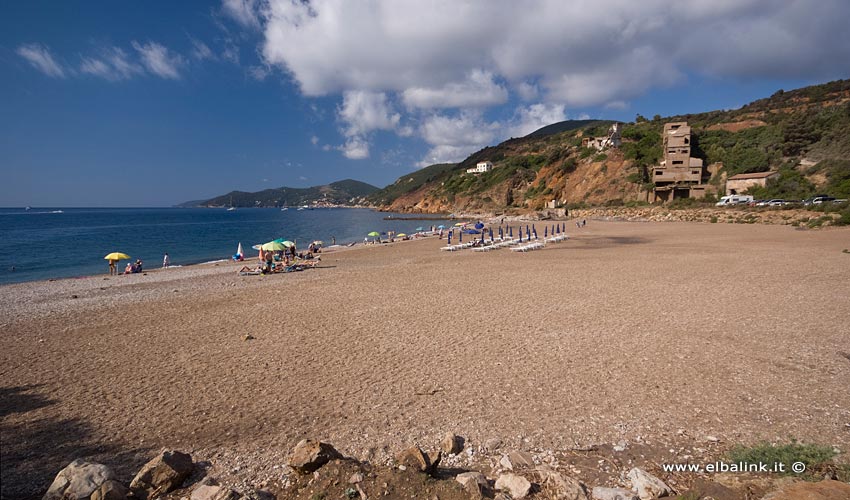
<point>678,162</point>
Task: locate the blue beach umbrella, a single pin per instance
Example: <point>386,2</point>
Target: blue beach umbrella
<point>520,235</point>
<point>527,233</point>
<point>501,234</point>
<point>546,231</point>
<point>479,226</point>
<point>534,230</point>
<point>511,230</point>
<point>441,226</point>
<point>564,228</point>
<point>450,238</point>
<point>460,236</point>
<point>557,228</point>
<point>491,235</point>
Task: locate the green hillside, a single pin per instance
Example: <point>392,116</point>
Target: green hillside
<point>345,192</point>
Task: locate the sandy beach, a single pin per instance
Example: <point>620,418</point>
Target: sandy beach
<point>653,333</point>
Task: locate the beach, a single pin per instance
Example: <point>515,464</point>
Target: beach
<point>664,334</point>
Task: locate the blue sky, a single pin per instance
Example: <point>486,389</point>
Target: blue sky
<point>155,103</point>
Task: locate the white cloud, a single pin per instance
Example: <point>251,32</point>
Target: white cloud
<point>364,112</point>
<point>244,12</point>
<point>355,148</point>
<point>200,50</point>
<point>259,73</point>
<point>576,53</point>
<point>230,51</point>
<point>478,89</point>
<point>454,137</point>
<point>314,140</point>
<point>40,58</point>
<point>527,91</point>
<point>528,119</point>
<point>112,64</point>
<point>159,60</point>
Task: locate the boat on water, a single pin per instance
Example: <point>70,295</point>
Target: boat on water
<point>232,208</point>
<point>27,208</point>
<point>284,209</point>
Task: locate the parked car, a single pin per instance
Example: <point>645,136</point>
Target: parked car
<point>777,203</point>
<point>818,199</point>
<point>734,199</point>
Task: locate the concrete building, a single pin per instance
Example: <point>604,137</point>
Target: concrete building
<point>482,166</point>
<point>739,184</point>
<point>612,140</point>
<point>679,175</point>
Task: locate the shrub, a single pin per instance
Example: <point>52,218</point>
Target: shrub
<point>811,455</point>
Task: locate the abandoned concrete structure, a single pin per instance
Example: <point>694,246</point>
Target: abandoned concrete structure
<point>679,175</point>
<point>612,140</point>
<point>738,184</point>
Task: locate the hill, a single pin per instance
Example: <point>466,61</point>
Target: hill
<point>802,134</point>
<point>345,192</point>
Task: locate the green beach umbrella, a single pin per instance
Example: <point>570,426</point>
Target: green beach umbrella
<point>374,233</point>
<point>273,246</point>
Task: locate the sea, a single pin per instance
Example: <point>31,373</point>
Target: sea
<point>48,243</point>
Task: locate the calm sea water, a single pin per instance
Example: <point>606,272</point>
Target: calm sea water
<point>44,243</point>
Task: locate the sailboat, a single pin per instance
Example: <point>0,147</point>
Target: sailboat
<point>232,208</point>
<point>238,256</point>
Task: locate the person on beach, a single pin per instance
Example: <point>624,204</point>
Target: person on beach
<point>137,268</point>
<point>333,240</point>
<point>165,261</point>
<point>129,268</point>
<point>112,267</point>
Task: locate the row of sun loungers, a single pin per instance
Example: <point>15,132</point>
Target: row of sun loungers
<point>498,243</point>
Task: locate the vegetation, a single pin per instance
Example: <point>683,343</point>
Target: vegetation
<point>814,456</point>
<point>339,193</point>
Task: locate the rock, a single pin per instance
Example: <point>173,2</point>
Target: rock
<point>516,460</point>
<point>823,490</point>
<point>308,455</point>
<point>415,459</point>
<point>517,486</point>
<point>110,490</point>
<point>600,493</point>
<point>162,474</point>
<point>560,487</point>
<point>434,458</point>
<point>451,444</point>
<point>213,492</point>
<point>473,482</point>
<point>357,477</point>
<point>492,444</point>
<point>85,480</point>
<point>647,485</point>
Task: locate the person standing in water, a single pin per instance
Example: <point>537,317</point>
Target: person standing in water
<point>166,261</point>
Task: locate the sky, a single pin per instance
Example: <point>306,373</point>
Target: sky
<point>106,103</point>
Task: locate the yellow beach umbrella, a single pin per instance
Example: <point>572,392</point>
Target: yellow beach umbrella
<point>401,235</point>
<point>117,256</point>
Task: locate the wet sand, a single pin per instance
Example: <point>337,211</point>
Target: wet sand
<point>648,332</point>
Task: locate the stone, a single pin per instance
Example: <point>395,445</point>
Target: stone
<point>492,444</point>
<point>561,487</point>
<point>451,444</point>
<point>600,493</point>
<point>473,483</point>
<point>434,458</point>
<point>214,492</point>
<point>110,490</point>
<point>309,455</point>
<point>84,480</point>
<point>647,485</point>
<point>357,477</point>
<point>822,490</point>
<point>414,458</point>
<point>517,460</point>
<point>162,474</point>
<point>517,486</point>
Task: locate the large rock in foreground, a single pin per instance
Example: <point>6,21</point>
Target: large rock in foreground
<point>82,480</point>
<point>164,473</point>
<point>517,486</point>
<point>308,455</point>
<point>647,485</point>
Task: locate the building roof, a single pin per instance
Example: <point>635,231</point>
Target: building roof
<point>757,175</point>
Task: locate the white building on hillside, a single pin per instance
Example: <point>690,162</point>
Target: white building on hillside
<point>482,166</point>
